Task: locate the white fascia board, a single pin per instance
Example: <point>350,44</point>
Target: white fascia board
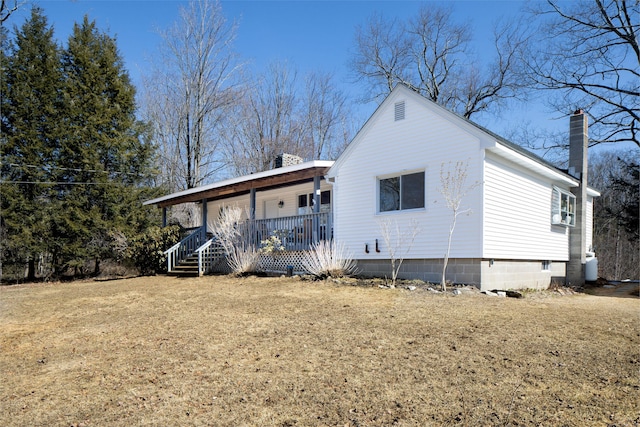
<point>533,165</point>
<point>593,192</point>
<point>245,178</point>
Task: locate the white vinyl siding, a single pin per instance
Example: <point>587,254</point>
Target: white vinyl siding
<point>517,208</point>
<point>423,141</point>
<point>399,111</point>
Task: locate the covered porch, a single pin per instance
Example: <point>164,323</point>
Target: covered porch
<point>292,203</point>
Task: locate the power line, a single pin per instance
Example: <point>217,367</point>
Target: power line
<point>71,169</point>
<point>60,183</point>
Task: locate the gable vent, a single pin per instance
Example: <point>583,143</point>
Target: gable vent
<point>399,111</point>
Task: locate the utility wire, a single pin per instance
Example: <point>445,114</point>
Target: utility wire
<point>70,169</point>
<point>60,183</point>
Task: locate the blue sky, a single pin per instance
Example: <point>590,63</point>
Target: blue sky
<point>312,35</point>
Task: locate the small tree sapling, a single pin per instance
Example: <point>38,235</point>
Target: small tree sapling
<point>453,178</point>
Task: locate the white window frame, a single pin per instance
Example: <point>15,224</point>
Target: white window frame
<point>308,208</point>
<point>546,265</point>
<point>563,208</point>
<point>400,175</point>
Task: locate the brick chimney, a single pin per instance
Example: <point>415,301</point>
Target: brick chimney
<point>578,163</point>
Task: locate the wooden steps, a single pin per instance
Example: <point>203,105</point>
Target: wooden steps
<point>188,267</point>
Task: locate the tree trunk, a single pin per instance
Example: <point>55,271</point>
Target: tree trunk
<point>31,269</point>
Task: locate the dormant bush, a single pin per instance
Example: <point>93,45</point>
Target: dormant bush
<point>242,259</point>
<point>328,259</point>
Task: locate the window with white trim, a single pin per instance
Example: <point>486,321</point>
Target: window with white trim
<point>563,208</point>
<point>401,192</point>
<point>546,265</point>
<point>305,202</point>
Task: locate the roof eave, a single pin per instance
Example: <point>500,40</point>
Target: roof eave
<point>296,172</point>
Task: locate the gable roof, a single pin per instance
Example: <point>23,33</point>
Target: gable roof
<point>490,140</point>
<point>265,180</point>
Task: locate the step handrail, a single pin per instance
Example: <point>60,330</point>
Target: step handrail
<point>185,247</point>
<point>202,251</point>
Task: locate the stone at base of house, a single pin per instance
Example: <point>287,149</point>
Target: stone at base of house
<point>483,273</point>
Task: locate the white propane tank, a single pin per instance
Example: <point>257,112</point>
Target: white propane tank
<point>591,268</point>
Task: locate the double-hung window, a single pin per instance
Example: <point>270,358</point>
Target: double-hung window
<point>401,192</point>
<point>563,208</point>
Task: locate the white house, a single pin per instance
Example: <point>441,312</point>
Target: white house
<point>528,222</point>
<point>521,209</point>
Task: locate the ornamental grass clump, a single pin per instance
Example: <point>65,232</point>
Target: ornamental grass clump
<point>243,260</point>
<point>328,259</point>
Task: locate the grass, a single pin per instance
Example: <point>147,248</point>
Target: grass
<point>222,351</point>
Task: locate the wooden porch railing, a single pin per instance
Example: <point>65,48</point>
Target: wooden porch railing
<point>296,233</point>
<point>185,247</point>
<point>208,254</point>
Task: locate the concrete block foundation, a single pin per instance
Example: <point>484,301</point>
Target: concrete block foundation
<point>485,274</point>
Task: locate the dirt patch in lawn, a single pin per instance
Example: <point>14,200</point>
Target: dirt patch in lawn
<point>283,352</point>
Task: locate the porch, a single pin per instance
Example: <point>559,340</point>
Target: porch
<point>199,253</point>
<point>291,203</point>
<point>296,233</point>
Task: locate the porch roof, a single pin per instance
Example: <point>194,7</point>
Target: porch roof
<point>273,178</point>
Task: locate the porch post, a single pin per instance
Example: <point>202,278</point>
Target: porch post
<point>252,204</point>
<point>204,214</point>
<point>316,209</point>
<point>164,216</point>
<point>316,194</point>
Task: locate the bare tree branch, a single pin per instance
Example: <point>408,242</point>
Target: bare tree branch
<point>194,86</point>
<point>588,54</point>
<point>8,7</point>
<point>431,54</point>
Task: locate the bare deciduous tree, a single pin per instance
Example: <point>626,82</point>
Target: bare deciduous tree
<point>615,237</point>
<point>453,187</point>
<point>381,55</point>
<point>398,243</point>
<point>325,109</point>
<point>432,55</point>
<point>193,87</point>
<point>278,115</point>
<point>8,7</point>
<point>587,52</point>
<point>265,123</point>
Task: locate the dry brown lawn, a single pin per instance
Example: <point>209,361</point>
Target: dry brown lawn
<point>221,351</point>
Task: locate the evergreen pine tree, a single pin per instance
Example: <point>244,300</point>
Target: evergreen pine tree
<point>30,131</point>
<point>104,152</point>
